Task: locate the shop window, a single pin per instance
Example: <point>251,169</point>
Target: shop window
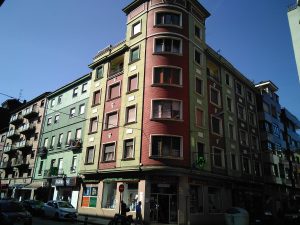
<point>109,195</point>
<point>89,197</point>
<point>130,195</point>
<point>196,199</point>
<point>214,200</point>
<point>166,146</point>
<point>166,109</point>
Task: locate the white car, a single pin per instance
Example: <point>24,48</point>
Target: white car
<point>59,210</point>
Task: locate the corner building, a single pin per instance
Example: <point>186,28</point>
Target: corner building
<point>159,112</point>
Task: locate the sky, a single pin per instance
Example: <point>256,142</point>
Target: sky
<point>47,44</point>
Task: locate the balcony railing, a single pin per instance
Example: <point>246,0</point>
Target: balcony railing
<point>17,118</point>
<point>13,133</point>
<point>27,127</point>
<point>116,71</point>
<point>75,144</point>
<point>9,148</point>
<point>31,112</point>
<point>23,144</point>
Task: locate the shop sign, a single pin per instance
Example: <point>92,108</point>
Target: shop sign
<point>89,197</point>
<point>70,181</point>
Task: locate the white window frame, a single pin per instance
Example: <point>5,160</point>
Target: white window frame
<point>102,152</point>
<point>124,147</point>
<point>132,28</point>
<point>201,56</point>
<point>106,118</point>
<point>126,113</point>
<point>221,125</point>
<point>167,66</point>
<point>167,99</point>
<point>108,89</point>
<point>219,96</point>
<point>49,121</point>
<point>164,52</point>
<point>137,82</point>
<point>166,135</point>
<point>80,109</point>
<point>168,25</point>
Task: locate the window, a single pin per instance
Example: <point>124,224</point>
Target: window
<point>233,162</point>
<point>108,152</point>
<point>130,193</point>
<point>84,88</point>
<point>131,114</point>
<point>49,121</point>
<point>60,166</point>
<point>270,146</point>
<point>241,112</point>
<point>99,72</point>
<point>199,117</point>
<point>134,54</point>
<point>81,109</point>
<point>273,111</point>
<point>229,104</point>
<point>75,92</point>
<point>250,97</point>
<point>45,142</point>
<point>2,138</point>
<point>128,149</point>
<point>231,131</point>
<point>74,164</point>
<point>60,137</point>
<point>168,18</point>
<point>198,32</point>
<point>198,57</point>
<point>254,142</point>
<point>218,157</point>
<point>228,79</point>
<point>56,118</point>
<point>59,99</point>
<point>196,199</point>
<point>167,76</point>
<point>246,165</point>
<point>96,98</point>
<point>252,119</point>
<point>199,86</point>
<point>166,109</point>
<point>42,103</point>
<point>167,45</point>
<point>69,134</point>
<point>89,197</point>
<point>216,125</point>
<point>136,28</point>
<point>214,200</point>
<point>276,130</point>
<point>215,97</point>
<point>93,125</point>
<point>257,168</point>
<point>266,107</point>
<point>72,112</point>
<point>132,83</point>
<point>89,158</point>
<point>52,102</point>
<point>52,142</point>
<point>78,134</point>
<point>243,137</point>
<point>239,89</point>
<point>109,195</point>
<point>166,146</point>
<point>111,120</point>
<point>40,168</point>
<point>113,91</point>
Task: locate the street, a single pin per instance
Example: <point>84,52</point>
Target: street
<point>47,221</point>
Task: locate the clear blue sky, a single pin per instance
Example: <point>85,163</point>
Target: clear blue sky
<point>46,44</point>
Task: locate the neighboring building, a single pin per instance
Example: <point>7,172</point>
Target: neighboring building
<point>20,147</point>
<point>170,119</point>
<point>60,146</point>
<point>294,22</point>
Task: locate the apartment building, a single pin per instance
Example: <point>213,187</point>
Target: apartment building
<point>60,146</point>
<point>19,152</point>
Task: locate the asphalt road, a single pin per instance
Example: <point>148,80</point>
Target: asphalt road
<point>47,221</point>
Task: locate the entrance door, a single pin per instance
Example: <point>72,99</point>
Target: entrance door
<point>163,208</point>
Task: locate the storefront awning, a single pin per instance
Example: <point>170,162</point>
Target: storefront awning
<point>35,185</point>
<point>109,180</point>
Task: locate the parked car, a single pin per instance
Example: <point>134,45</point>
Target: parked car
<point>14,213</point>
<point>59,210</point>
<point>33,206</point>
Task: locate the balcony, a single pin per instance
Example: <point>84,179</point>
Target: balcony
<point>27,128</point>
<point>116,66</point>
<point>16,119</point>
<point>9,148</point>
<point>42,152</point>
<point>23,144</point>
<point>12,134</point>
<point>19,161</point>
<point>75,144</point>
<point>4,165</point>
<point>31,112</point>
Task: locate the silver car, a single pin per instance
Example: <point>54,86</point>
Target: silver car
<point>59,210</point>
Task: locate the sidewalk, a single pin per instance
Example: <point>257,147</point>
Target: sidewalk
<point>93,220</point>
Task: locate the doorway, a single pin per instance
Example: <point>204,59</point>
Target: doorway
<point>163,208</point>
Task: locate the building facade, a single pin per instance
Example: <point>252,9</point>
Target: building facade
<point>56,167</point>
<point>20,148</point>
<point>294,18</point>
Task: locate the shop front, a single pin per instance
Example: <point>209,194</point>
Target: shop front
<point>66,189</point>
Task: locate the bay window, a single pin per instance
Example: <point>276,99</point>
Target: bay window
<point>166,109</point>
